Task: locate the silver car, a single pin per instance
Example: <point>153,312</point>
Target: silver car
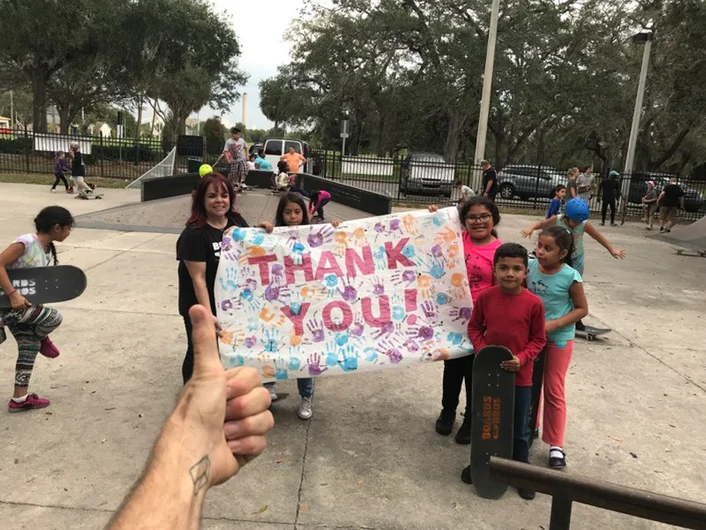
<point>527,181</point>
<point>427,174</point>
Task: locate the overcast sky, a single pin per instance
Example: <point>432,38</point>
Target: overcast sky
<point>260,27</point>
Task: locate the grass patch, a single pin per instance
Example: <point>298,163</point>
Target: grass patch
<point>47,180</point>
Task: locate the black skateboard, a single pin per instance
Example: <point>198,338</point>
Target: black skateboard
<point>43,285</point>
<point>590,333</point>
<point>493,407</point>
<point>89,196</point>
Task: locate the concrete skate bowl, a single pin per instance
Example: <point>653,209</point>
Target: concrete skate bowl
<point>692,237</point>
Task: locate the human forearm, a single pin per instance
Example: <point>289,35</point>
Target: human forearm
<point>570,318</point>
<point>201,291</point>
<point>171,492</point>
<point>5,282</point>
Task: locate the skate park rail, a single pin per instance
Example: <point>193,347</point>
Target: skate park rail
<point>565,489</point>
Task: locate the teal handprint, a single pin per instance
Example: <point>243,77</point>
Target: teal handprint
<point>350,359</point>
<point>371,354</point>
<point>281,369</point>
<point>331,355</point>
<point>295,364</point>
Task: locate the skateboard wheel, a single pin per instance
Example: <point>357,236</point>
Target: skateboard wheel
<point>589,337</point>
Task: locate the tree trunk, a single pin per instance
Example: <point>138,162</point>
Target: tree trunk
<point>64,119</point>
<point>139,117</point>
<point>39,102</point>
<point>456,123</point>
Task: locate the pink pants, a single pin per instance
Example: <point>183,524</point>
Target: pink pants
<point>555,367</point>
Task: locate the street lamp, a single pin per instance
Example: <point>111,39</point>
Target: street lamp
<point>344,130</point>
<point>487,86</point>
<point>644,37</point>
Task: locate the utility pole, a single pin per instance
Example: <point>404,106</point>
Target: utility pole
<point>487,88</point>
<point>645,38</point>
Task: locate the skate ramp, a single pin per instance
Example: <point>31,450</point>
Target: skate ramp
<point>691,236</point>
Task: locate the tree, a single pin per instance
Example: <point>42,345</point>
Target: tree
<point>215,133</point>
<point>275,94</point>
<point>27,49</point>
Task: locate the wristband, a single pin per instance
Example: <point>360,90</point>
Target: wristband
<point>11,292</point>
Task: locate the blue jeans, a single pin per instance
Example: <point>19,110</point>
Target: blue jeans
<point>306,387</point>
<point>520,446</point>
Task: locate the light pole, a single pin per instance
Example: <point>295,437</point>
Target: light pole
<point>487,86</point>
<point>644,37</point>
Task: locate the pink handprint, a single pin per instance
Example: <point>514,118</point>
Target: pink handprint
<point>391,351</point>
<point>430,310</point>
<point>317,330</point>
<point>378,286</point>
<point>386,329</point>
<point>314,365</point>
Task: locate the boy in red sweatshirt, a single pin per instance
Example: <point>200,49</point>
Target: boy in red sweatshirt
<point>509,315</point>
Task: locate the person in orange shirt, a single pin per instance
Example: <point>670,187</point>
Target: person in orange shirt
<point>294,160</point>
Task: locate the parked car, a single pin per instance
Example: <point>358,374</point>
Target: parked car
<point>527,181</point>
<point>693,199</point>
<point>254,148</point>
<point>427,174</point>
<point>276,147</point>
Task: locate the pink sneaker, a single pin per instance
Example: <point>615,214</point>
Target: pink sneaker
<point>48,349</point>
<point>33,401</point>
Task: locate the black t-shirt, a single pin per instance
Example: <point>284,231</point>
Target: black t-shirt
<point>200,244</point>
<point>610,188</point>
<point>672,194</point>
<point>77,167</point>
<point>488,175</point>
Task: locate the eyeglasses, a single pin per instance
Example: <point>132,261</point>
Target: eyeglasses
<point>483,218</point>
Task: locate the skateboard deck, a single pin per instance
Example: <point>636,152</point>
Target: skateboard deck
<point>493,406</point>
<point>91,196</point>
<point>43,285</point>
<point>537,379</point>
<point>590,333</point>
<point>692,253</point>
<point>623,210</point>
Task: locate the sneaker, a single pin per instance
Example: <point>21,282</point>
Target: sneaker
<point>48,349</point>
<point>667,230</point>
<point>661,229</point>
<point>53,190</point>
<point>466,475</point>
<point>648,228</point>
<point>613,224</point>
<point>602,224</point>
<point>305,410</point>
<point>445,422</point>
<point>526,494</point>
<point>463,436</point>
<point>33,401</point>
<point>580,326</point>
<point>557,462</point>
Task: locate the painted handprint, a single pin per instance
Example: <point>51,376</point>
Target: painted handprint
<point>371,354</point>
<point>410,224</point>
<point>424,286</point>
<point>395,226</point>
<point>250,342</point>
<point>380,228</point>
<point>319,235</point>
<point>387,329</point>
<point>378,286</point>
<point>235,361</point>
<point>331,354</point>
<point>330,282</point>
<point>349,292</point>
<point>404,277</point>
<point>431,311</point>
<point>253,251</point>
<point>281,371</point>
<point>274,292</point>
<point>461,313</point>
<point>349,361</point>
<point>341,243</point>
<point>275,319</point>
<point>445,236</point>
<point>295,362</point>
<point>342,338</point>
<point>271,340</point>
<point>421,333</point>
<point>358,326</point>
<point>358,237</point>
<point>316,327</point>
<point>314,365</point>
<point>391,351</point>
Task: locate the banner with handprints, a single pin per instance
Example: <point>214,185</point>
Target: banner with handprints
<point>314,300</point>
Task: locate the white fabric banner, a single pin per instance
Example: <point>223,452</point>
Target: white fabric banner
<point>312,300</point>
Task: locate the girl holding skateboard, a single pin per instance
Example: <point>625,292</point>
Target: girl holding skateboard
<point>29,324</point>
<point>552,278</point>
<point>479,217</point>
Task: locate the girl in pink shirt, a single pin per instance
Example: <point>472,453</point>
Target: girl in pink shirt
<point>479,216</point>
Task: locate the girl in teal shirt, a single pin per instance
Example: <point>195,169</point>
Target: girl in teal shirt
<point>560,288</point>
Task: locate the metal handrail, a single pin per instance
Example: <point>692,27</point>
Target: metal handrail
<point>566,489</point>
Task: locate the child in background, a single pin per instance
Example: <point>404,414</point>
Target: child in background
<point>250,164</point>
<point>571,184</point>
<point>479,216</point>
<point>281,180</point>
<point>507,314</point>
<point>29,324</point>
<point>555,205</point>
<point>291,211</point>
<point>466,192</point>
<point>317,201</point>
<point>649,204</point>
<point>61,166</point>
<point>78,172</point>
<point>560,288</point>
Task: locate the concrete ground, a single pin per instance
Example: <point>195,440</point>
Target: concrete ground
<point>369,458</point>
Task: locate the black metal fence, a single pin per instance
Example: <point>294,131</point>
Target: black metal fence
<point>428,179</point>
<point>26,151</point>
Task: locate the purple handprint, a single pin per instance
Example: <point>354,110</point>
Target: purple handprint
<point>378,287</point>
<point>349,292</point>
<point>227,305</point>
<point>411,345</point>
<point>380,228</point>
<point>358,326</point>
<point>250,342</point>
<point>278,273</point>
<point>429,309</point>
<point>320,235</point>
<point>420,332</point>
<point>436,251</point>
<point>386,329</point>
<point>395,225</point>
<point>273,292</point>
<point>407,277</point>
<point>317,330</point>
<point>314,365</point>
<point>391,351</point>
<point>462,313</point>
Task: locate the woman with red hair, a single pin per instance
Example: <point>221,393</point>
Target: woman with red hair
<point>199,250</point>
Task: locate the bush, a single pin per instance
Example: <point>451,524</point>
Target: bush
<point>16,146</point>
<point>132,153</point>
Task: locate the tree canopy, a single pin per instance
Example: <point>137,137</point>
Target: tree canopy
<point>409,73</point>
